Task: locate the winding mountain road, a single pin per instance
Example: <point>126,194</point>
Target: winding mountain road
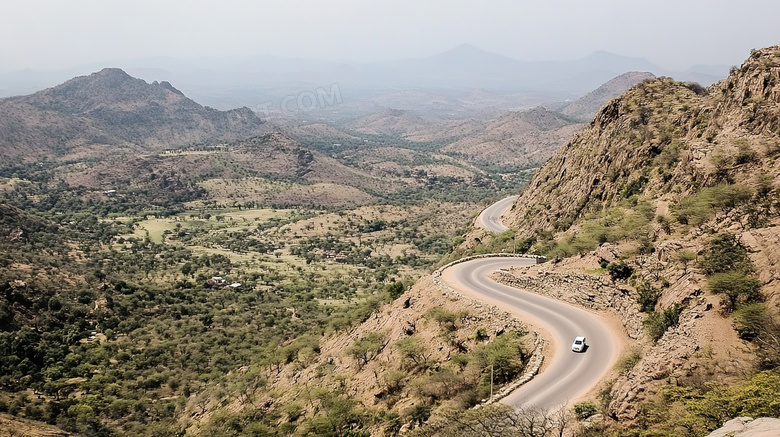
<point>567,376</point>
<point>490,217</point>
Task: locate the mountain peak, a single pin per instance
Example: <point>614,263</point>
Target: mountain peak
<point>465,48</point>
<point>112,107</point>
<point>112,72</point>
<point>108,87</point>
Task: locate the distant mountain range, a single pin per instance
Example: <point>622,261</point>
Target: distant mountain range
<point>226,83</point>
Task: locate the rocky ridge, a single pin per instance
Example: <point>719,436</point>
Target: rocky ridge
<point>676,135</point>
<point>522,138</point>
<point>586,107</point>
<point>111,108</point>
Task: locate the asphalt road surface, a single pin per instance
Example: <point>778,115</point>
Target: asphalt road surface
<point>568,375</point>
<point>489,217</point>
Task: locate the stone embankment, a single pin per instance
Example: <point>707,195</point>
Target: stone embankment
<point>594,292</point>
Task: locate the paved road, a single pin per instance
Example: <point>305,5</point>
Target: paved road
<point>568,375</point>
<point>489,217</point>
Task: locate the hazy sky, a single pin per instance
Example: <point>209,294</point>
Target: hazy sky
<point>673,34</point>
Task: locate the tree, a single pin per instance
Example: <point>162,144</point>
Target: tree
<point>187,269</point>
<point>725,253</point>
<point>657,323</point>
<point>583,410</point>
<point>411,349</point>
<point>648,296</point>
<point>445,317</point>
<point>685,257</point>
<point>619,271</point>
<point>367,348</point>
<point>395,290</point>
<point>736,287</point>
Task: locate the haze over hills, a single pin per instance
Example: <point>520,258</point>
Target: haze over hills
<point>524,138</point>
<point>515,138</point>
<point>110,111</point>
<point>234,82</point>
<point>109,130</point>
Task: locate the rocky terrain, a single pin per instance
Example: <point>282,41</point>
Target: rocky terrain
<point>523,138</point>
<point>700,340</point>
<point>661,175</point>
<point>110,110</point>
<point>663,212</point>
<point>586,107</point>
<point>678,137</point>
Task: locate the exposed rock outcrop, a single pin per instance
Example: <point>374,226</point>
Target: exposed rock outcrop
<point>748,427</point>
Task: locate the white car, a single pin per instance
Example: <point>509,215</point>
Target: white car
<point>579,344</point>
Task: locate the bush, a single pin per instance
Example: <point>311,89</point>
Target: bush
<point>395,290</point>
<point>750,319</point>
<point>445,318</point>
<point>698,411</point>
<point>648,296</point>
<point>619,271</point>
<point>698,209</point>
<point>367,348</point>
<point>634,187</point>
<point>657,323</point>
<point>684,257</point>
<point>696,88</point>
<point>505,354</point>
<point>627,362</point>
<point>583,410</point>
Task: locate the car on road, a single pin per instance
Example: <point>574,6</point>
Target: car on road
<point>579,344</point>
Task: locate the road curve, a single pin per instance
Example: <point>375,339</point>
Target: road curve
<point>568,375</point>
<point>489,218</point>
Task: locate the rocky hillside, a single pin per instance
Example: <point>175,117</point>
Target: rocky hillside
<point>239,173</point>
<point>662,138</point>
<point>111,108</point>
<point>664,210</point>
<point>413,127</point>
<point>425,351</point>
<point>523,138</point>
<point>586,107</point>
